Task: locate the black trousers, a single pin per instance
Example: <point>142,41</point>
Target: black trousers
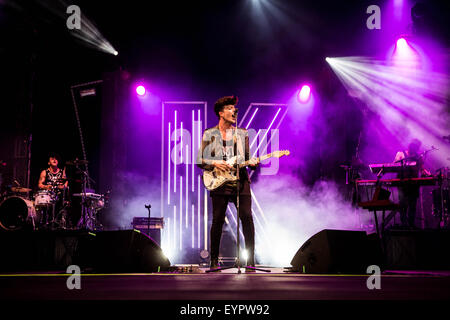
<point>219,203</point>
<point>408,197</point>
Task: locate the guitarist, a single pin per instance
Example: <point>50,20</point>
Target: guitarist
<point>218,145</point>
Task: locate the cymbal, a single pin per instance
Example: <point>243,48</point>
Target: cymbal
<point>76,162</point>
<point>22,190</point>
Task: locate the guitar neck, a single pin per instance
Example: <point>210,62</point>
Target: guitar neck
<point>259,159</point>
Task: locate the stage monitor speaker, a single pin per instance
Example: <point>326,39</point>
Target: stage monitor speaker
<point>45,250</point>
<point>337,251</point>
<point>128,251</point>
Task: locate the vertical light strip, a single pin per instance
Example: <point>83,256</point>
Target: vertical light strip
<point>174,227</point>
<point>167,237</point>
<point>205,219</point>
<point>192,225</point>
<point>181,211</point>
<point>248,124</point>
<point>162,161</point>
<point>168,168</point>
<point>199,136</point>
<point>181,142</point>
<point>268,129</point>
<point>198,212</point>
<point>176,155</point>
<point>193,148</point>
<point>187,183</point>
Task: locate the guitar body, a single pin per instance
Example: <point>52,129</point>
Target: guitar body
<point>215,178</point>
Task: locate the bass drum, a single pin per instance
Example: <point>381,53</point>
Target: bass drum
<point>16,212</point>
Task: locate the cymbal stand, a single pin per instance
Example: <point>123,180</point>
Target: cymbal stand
<point>62,213</point>
<point>87,219</point>
<point>50,216</point>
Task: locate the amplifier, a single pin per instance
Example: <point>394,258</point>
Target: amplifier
<point>143,223</point>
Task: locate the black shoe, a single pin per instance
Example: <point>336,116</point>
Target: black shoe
<point>214,264</point>
<point>249,268</point>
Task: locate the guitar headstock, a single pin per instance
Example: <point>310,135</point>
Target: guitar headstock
<point>280,153</point>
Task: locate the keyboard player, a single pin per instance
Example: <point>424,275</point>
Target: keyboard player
<point>408,194</point>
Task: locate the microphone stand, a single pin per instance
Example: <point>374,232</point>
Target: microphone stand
<point>237,263</point>
<point>148,222</point>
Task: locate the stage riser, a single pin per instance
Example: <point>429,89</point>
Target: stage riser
<point>105,251</point>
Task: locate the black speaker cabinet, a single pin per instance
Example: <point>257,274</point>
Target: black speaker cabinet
<point>128,251</point>
<point>418,249</point>
<point>337,251</point>
<point>45,250</point>
<point>154,234</point>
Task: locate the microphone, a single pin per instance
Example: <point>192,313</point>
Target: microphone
<point>235,112</point>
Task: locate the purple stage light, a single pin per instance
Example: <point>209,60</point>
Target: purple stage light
<point>402,44</point>
<point>140,90</point>
<point>403,49</point>
<point>304,93</point>
<point>405,55</point>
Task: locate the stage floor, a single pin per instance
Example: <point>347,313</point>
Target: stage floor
<point>226,285</point>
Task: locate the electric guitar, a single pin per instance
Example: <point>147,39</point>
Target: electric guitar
<point>212,179</point>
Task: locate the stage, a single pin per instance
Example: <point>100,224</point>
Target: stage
<point>227,295</point>
<point>128,264</point>
<point>227,285</point>
<point>46,286</point>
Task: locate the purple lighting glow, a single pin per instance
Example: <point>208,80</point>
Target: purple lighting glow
<point>405,55</point>
<point>404,50</point>
<point>140,90</point>
<point>304,93</point>
<point>402,45</point>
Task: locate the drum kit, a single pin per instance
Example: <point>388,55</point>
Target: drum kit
<point>48,209</point>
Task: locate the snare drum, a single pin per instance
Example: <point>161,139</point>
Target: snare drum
<point>16,212</point>
<point>43,198</point>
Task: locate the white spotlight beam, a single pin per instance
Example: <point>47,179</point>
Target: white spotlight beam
<point>405,97</point>
<point>88,32</point>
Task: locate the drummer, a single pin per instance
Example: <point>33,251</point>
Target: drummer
<point>53,176</point>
